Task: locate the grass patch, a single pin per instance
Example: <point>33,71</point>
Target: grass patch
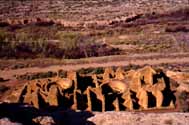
<point>68,45</point>
<point>37,75</point>
<point>98,70</point>
<point>3,88</point>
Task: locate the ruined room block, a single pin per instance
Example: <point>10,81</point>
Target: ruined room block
<point>157,89</point>
<point>142,77</point>
<point>108,74</point>
<point>43,95</point>
<point>32,97</point>
<point>44,84</point>
<point>116,104</point>
<point>53,96</point>
<point>80,100</point>
<point>35,98</point>
<point>143,98</point>
<point>73,76</point>
<point>95,99</point>
<point>135,82</point>
<point>27,96</point>
<point>95,80</point>
<point>118,86</point>
<point>128,103</point>
<point>85,81</point>
<point>119,74</point>
<point>147,75</point>
<point>76,99</point>
<point>109,91</point>
<point>160,85</point>
<point>31,94</point>
<point>112,91</point>
<point>159,97</point>
<point>65,98</point>
<point>64,83</point>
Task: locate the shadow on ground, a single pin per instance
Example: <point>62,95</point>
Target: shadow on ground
<point>24,114</point>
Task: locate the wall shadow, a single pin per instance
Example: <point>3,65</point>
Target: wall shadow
<point>24,114</point>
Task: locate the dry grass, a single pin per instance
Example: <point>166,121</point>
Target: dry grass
<point>68,45</point>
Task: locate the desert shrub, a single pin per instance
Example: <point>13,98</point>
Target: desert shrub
<point>21,36</point>
<point>3,36</point>
<point>39,75</point>
<point>4,24</point>
<point>131,67</point>
<point>177,28</point>
<point>3,88</point>
<point>68,40</point>
<point>28,49</point>
<point>3,80</point>
<point>44,23</point>
<point>85,71</point>
<point>62,73</point>
<point>183,100</point>
<point>98,70</point>
<point>20,65</point>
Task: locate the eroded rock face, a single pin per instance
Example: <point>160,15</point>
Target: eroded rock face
<point>117,90</point>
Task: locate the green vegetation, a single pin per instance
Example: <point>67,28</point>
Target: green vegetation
<point>98,70</point>
<point>3,88</point>
<point>3,36</point>
<point>69,40</point>
<point>37,76</point>
<point>42,43</point>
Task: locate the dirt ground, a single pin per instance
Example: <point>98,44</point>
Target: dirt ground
<point>131,118</point>
<point>97,62</point>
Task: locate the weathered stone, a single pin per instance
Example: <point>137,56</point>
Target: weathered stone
<point>53,96</point>
<point>73,76</point>
<point>108,73</point>
<point>119,74</point>
<point>159,97</point>
<point>64,83</point>
<point>135,83</point>
<point>99,97</point>
<point>116,104</point>
<point>143,98</point>
<point>128,103</point>
<point>118,86</point>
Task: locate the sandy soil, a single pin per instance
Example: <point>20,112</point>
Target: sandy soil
<point>131,118</point>
<point>9,74</point>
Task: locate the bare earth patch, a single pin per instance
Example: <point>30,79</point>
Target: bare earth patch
<point>132,118</point>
